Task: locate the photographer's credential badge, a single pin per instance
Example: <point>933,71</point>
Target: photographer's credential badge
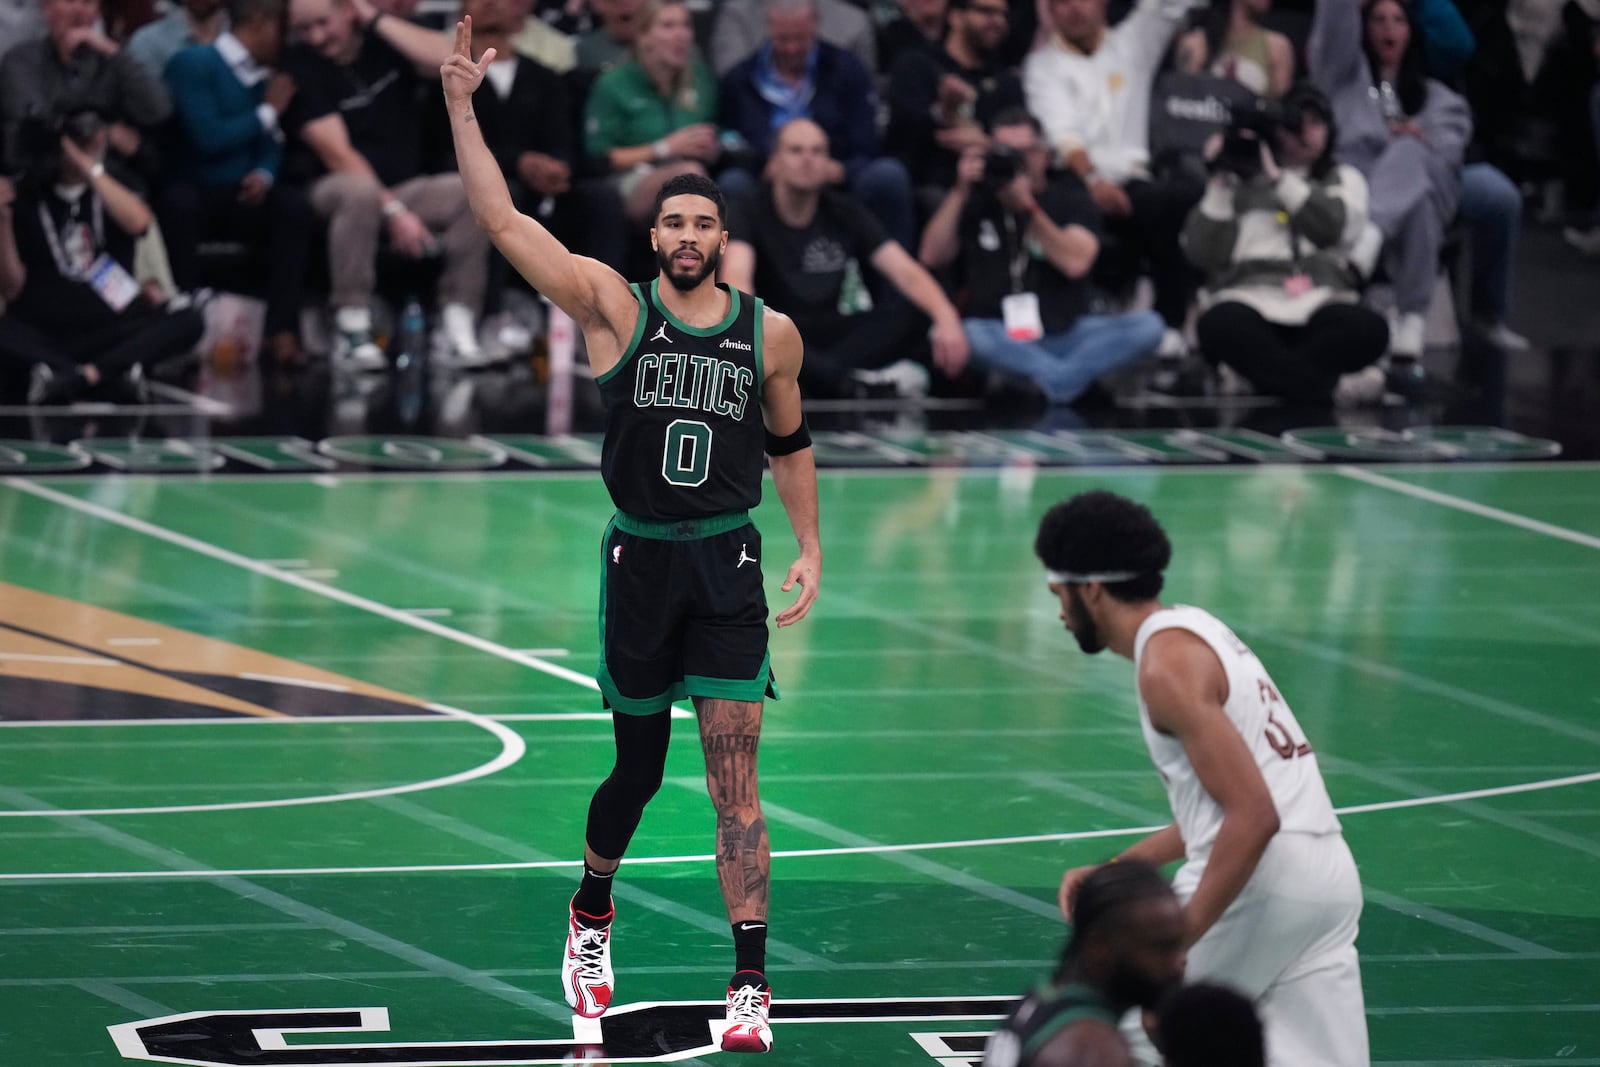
<point>1021,314</point>
<point>114,284</point>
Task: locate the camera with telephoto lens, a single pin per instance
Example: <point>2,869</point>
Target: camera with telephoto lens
<point>38,144</point>
<point>1249,127</point>
<point>1001,163</point>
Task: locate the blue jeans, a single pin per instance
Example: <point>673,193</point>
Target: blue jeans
<point>1065,364</point>
<point>1491,209</point>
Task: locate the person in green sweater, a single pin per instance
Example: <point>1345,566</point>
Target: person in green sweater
<point>652,118</point>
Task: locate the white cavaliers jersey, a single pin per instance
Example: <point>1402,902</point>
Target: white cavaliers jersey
<point>1268,727</point>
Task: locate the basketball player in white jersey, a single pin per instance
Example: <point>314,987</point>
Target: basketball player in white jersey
<point>1270,891</point>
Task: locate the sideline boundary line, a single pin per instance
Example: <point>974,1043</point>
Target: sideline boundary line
<point>923,846</point>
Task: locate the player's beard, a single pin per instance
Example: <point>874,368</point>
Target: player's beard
<point>1083,628</point>
<point>685,281</point>
<point>1128,986</point>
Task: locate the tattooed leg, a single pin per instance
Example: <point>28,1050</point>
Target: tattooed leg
<point>730,731</point>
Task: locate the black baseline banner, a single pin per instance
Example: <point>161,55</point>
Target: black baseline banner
<point>633,1033</point>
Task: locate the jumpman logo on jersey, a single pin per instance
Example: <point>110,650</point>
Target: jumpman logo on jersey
<point>744,557</point>
<point>661,334</point>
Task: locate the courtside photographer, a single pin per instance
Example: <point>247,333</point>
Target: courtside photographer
<point>75,319</point>
<point>1279,234</point>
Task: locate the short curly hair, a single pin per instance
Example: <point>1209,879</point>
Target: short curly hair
<point>1100,532</point>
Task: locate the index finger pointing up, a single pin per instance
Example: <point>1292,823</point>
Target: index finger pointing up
<point>464,36</point>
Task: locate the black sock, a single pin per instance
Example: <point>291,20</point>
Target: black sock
<point>594,893</point>
<point>750,948</point>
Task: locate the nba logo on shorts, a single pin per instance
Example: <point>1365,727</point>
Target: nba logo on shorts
<point>616,554</point>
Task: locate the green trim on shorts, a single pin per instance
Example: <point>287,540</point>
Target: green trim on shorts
<point>636,705</point>
<point>680,529</point>
<point>762,687</point>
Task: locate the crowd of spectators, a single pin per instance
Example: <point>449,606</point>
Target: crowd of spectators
<point>954,190</point>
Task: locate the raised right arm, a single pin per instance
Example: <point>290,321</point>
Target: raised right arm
<point>596,296</point>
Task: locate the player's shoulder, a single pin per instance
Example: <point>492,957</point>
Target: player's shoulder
<point>781,346</point>
<point>777,328</point>
<point>1085,1043</point>
<point>1177,660</point>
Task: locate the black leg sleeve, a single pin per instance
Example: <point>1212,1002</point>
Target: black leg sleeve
<point>619,803</point>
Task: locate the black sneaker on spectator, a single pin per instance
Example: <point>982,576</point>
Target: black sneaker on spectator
<point>1406,379</point>
<point>352,340</point>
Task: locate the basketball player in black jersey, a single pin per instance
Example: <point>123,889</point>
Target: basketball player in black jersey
<point>699,381</point>
<point>1126,951</point>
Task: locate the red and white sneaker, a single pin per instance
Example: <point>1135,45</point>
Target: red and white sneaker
<point>586,967</point>
<point>748,1004</point>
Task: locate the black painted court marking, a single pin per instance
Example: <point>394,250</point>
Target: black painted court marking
<point>633,1033</point>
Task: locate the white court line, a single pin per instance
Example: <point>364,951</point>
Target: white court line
<point>80,661</point>
<point>512,749</point>
<point>1471,507</point>
<point>310,585</point>
<point>134,641</point>
<point>861,850</point>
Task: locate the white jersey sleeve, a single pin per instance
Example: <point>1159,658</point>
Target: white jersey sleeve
<point>1261,715</point>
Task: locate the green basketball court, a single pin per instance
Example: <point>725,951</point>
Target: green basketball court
<point>274,749</point>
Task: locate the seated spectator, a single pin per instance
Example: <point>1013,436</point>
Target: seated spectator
<point>1574,89</point>
<point>942,98</point>
<point>741,28</point>
<point>1210,1025</point>
<point>1273,234</point>
<point>1584,235</point>
<point>1025,242</point>
<point>1090,88</point>
<point>1490,206</point>
<point>919,25</point>
<point>1405,132</point>
<point>611,42</point>
<point>530,128</point>
<point>1230,42</point>
<point>191,22</point>
<point>225,173</point>
<point>796,76</point>
<point>74,313</point>
<point>653,117</point>
<point>356,106</point>
<point>804,247</point>
<point>75,65</point>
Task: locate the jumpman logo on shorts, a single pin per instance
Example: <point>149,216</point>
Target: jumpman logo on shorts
<point>744,557</point>
<point>661,334</point>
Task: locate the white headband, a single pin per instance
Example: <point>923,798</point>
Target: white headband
<point>1073,577</point>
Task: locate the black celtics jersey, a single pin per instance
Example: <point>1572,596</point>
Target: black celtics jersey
<point>1039,1017</point>
<point>684,433</point>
